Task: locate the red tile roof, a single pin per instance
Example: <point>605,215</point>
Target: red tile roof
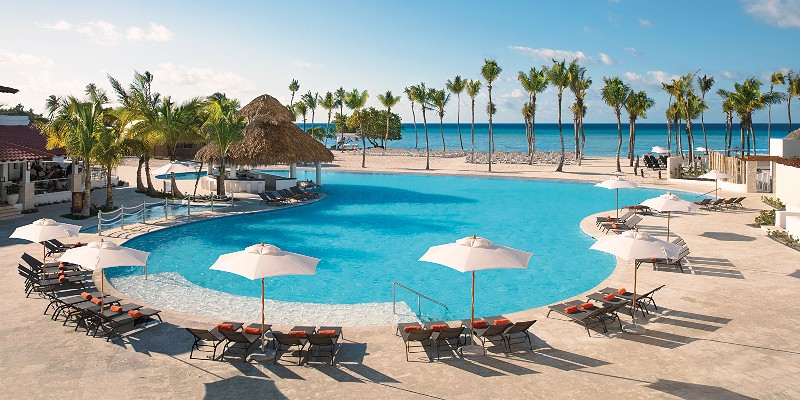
<point>14,152</point>
<point>27,137</point>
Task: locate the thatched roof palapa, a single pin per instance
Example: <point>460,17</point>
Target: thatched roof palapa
<point>794,135</point>
<point>271,137</point>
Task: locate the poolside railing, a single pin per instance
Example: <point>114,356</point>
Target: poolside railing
<point>420,296</point>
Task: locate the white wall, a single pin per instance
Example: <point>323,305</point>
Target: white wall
<point>784,147</point>
<point>786,182</point>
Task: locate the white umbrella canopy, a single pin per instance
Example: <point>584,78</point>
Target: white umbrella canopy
<point>617,183</point>
<point>633,246</point>
<point>265,260</point>
<point>716,175</point>
<point>659,150</point>
<point>45,229</point>
<point>103,254</point>
<point>472,254</point>
<point>176,167</point>
<point>669,203</point>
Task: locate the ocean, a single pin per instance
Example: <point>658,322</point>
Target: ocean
<point>601,139</point>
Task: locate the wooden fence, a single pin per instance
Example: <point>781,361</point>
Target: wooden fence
<point>730,165</point>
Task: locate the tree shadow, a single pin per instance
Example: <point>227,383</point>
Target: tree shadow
<point>728,237</point>
<point>243,387</point>
<point>795,274</point>
<point>693,391</point>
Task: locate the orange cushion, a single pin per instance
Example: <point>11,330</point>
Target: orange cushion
<point>440,327</point>
<point>608,218</point>
<point>329,332</point>
<point>252,331</point>
<point>225,327</point>
<point>696,202</point>
<point>587,306</point>
<point>78,244</point>
<point>62,278</point>
<point>480,324</point>
<point>300,334</point>
<point>116,309</point>
<point>653,259</point>
<point>610,296</point>
<point>412,328</point>
<point>135,313</point>
<point>96,300</point>
<point>86,296</point>
<point>61,266</point>
<point>614,225</point>
<point>622,291</point>
<point>501,322</point>
<point>571,309</point>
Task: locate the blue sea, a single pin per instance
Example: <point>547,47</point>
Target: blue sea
<point>601,139</point>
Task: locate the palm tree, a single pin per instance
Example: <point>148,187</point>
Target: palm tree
<point>745,99</point>
<point>301,108</point>
<point>388,100</point>
<point>578,84</point>
<point>175,124</point>
<point>328,102</point>
<point>727,108</point>
<point>457,86</point>
<point>311,100</point>
<point>533,83</point>
<point>411,92</point>
<point>792,90</point>
<point>355,101</point>
<point>490,71</point>
<point>684,91</point>
<point>776,78</point>
<point>294,86</point>
<point>112,144</point>
<point>76,127</point>
<point>424,96</point>
<point>637,104</point>
<point>339,95</point>
<point>558,76</point>
<point>223,127</point>
<point>704,83</point>
<point>438,101</point>
<point>669,89</point>
<point>614,94</point>
<point>473,88</point>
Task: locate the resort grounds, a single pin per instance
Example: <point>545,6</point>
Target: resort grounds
<point>726,328</point>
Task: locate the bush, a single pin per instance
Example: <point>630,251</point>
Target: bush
<point>12,189</point>
<point>775,203</point>
<point>765,217</point>
<point>785,238</point>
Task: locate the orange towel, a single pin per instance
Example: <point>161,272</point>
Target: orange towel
<point>135,313</point>
<point>501,322</point>
<point>622,291</point>
<point>439,327</point>
<point>479,324</point>
<point>610,297</point>
<point>571,309</point>
<point>300,334</point>
<point>252,331</point>
<point>412,328</point>
<point>329,332</point>
<point>86,296</point>
<point>587,306</point>
<point>225,327</point>
<point>116,309</point>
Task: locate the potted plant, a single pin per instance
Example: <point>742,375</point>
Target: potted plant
<point>12,193</point>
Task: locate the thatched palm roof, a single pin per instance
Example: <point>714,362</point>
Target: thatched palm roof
<point>267,108</point>
<point>794,135</point>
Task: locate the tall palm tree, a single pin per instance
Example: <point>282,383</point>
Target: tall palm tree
<point>328,102</point>
<point>294,86</point>
<point>301,108</point>
<point>355,101</point>
<point>424,96</point>
<point>411,93</point>
<point>534,82</point>
<point>792,90</point>
<point>669,89</point>
<point>637,104</point>
<point>684,91</point>
<point>777,78</point>
<point>112,144</point>
<point>388,100</point>
<point>76,126</point>
<point>745,99</point>
<point>339,95</point>
<point>312,101</point>
<point>704,83</point>
<point>174,124</point>
<point>473,88</point>
<point>558,76</point>
<point>578,84</point>
<point>457,86</point>
<point>727,108</point>
<point>438,101</point>
<point>614,94</point>
<point>490,71</point>
<point>223,127</point>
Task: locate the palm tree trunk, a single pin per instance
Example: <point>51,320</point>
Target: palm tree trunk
<point>619,144</point>
<point>458,120</point>
<point>769,121</point>
<point>221,178</point>
<point>109,191</point>
<point>363,143</point>
<point>197,180</point>
<point>427,144</point>
<point>87,188</point>
<point>583,142</point>
<point>752,133</point>
<point>561,135</point>
<point>577,138</point>
<point>386,136</point>
<point>150,189</point>
<point>533,130</point>
<point>491,148</point>
<point>441,131</point>
<point>139,183</point>
<point>631,139</point>
<point>789,107</point>
<point>473,130</point>
<point>327,129</point>
<point>416,133</point>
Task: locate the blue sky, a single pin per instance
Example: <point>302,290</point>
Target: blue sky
<point>249,48</point>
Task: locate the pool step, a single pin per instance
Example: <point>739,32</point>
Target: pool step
<point>9,212</point>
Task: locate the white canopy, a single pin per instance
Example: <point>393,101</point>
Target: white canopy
<point>476,253</point>
<point>633,245</point>
<point>103,254</point>
<point>177,167</point>
<point>659,150</point>
<point>264,260</point>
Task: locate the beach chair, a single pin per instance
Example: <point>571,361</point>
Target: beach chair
<point>734,202</point>
<point>415,337</point>
<point>703,203</point>
<point>324,341</point>
<point>35,283</point>
<point>585,317</point>
<point>205,339</point>
<point>265,199</point>
<point>50,267</point>
<point>716,204</point>
<point>629,224</point>
<point>675,262</point>
<point>494,329</point>
<point>445,337</point>
<point>518,334</point>
<point>641,300</point>
<point>275,196</point>
<point>238,343</point>
<point>610,219</point>
<point>297,190</point>
<point>66,246</point>
<point>295,340</point>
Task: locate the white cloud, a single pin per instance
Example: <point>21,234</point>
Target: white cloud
<point>10,58</point>
<point>780,13</point>
<point>606,59</point>
<point>645,23</point>
<point>725,74</point>
<point>154,32</point>
<point>515,94</point>
<point>206,79</point>
<point>633,51</point>
<point>553,54</point>
<point>652,78</point>
<point>301,64</point>
<point>106,34</point>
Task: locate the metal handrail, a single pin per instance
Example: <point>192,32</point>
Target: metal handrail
<point>419,297</point>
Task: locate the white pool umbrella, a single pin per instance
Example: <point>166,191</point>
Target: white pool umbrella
<point>472,254</point>
<point>176,167</point>
<point>669,203</point>
<point>617,183</point>
<point>702,149</point>
<point>103,254</point>
<point>716,175</point>
<point>632,246</point>
<point>45,229</point>
<point>659,150</point>
<point>265,260</point>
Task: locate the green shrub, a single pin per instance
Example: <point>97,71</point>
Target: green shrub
<point>765,217</point>
<point>775,203</point>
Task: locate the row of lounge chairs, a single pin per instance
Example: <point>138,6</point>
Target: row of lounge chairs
<point>438,335</point>
<point>286,196</point>
<point>721,204</point>
<point>240,341</point>
<point>655,163</point>
<point>625,222</point>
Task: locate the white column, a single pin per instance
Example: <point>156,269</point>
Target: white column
<point>318,166</point>
<point>26,172</point>
<point>293,171</point>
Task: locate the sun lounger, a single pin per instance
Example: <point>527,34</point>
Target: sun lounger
<point>518,333</point>
<point>676,262</point>
<point>66,246</point>
<point>324,341</point>
<point>265,199</point>
<point>295,340</point>
<point>64,304</point>
<point>297,190</point>
<point>581,316</point>
<point>289,195</point>
<point>629,224</point>
<point>238,343</point>
<point>610,219</point>
<point>35,283</point>
<point>53,266</point>
<point>702,203</point>
<point>445,337</point>
<point>641,300</point>
<point>205,339</point>
<point>418,338</point>
<point>716,204</point>
<point>275,196</point>
<point>494,329</point>
<point>734,202</point>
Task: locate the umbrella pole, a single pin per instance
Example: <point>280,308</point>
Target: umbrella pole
<point>617,205</point>
<point>635,273</point>
<point>716,189</point>
<point>472,314</point>
<point>44,255</point>
<point>102,290</point>
<point>669,214</point>
<point>262,314</point>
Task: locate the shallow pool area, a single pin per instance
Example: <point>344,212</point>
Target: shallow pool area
<point>183,176</point>
<point>372,228</point>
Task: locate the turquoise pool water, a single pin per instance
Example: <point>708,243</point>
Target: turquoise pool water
<point>183,176</point>
<point>372,229</point>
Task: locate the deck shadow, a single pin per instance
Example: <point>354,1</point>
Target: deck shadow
<point>468,365</point>
<point>242,387</point>
<point>691,315</point>
<point>728,237</point>
<point>795,274</point>
<point>506,367</point>
<point>686,390</point>
<point>369,373</point>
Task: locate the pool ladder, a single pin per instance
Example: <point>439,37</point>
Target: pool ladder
<point>420,296</point>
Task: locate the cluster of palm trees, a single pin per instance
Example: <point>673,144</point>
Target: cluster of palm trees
<point>98,134</point>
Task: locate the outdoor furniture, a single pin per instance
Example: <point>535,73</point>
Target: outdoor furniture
<point>518,333</point>
<point>65,246</point>
<point>609,219</point>
<point>733,202</point>
<point>265,199</point>
<point>581,316</point>
<point>238,343</point>
<point>205,339</point>
<point>641,300</point>
<point>50,267</point>
<point>277,197</point>
<point>325,341</point>
<point>296,339</point>
<point>703,203</point>
<point>289,195</point>
<point>629,224</point>
<point>297,190</point>
<point>676,262</point>
<point>715,204</point>
<point>35,283</point>
<point>416,339</point>
<point>495,329</point>
<point>445,337</point>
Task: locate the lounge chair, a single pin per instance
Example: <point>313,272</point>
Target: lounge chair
<point>35,283</point>
<point>289,195</point>
<point>715,204</point>
<point>495,328</point>
<point>641,300</point>
<point>238,343</point>
<point>585,317</point>
<point>415,337</point>
<point>64,304</point>
<point>629,224</point>
<point>518,333</point>
<point>676,262</point>
<point>325,341</point>
<point>50,267</point>
<point>703,203</point>
<point>265,199</point>
<point>66,246</point>
<point>295,340</point>
<point>733,202</point>
<point>275,196</point>
<point>445,337</point>
<point>679,241</point>
<point>205,339</point>
<point>297,190</point>
<point>609,219</point>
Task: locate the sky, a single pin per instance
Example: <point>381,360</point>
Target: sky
<point>247,48</point>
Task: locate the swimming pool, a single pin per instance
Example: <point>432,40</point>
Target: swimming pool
<point>372,228</point>
<point>183,176</point>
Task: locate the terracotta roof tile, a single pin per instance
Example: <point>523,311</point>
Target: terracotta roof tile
<point>27,136</point>
<point>14,152</point>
